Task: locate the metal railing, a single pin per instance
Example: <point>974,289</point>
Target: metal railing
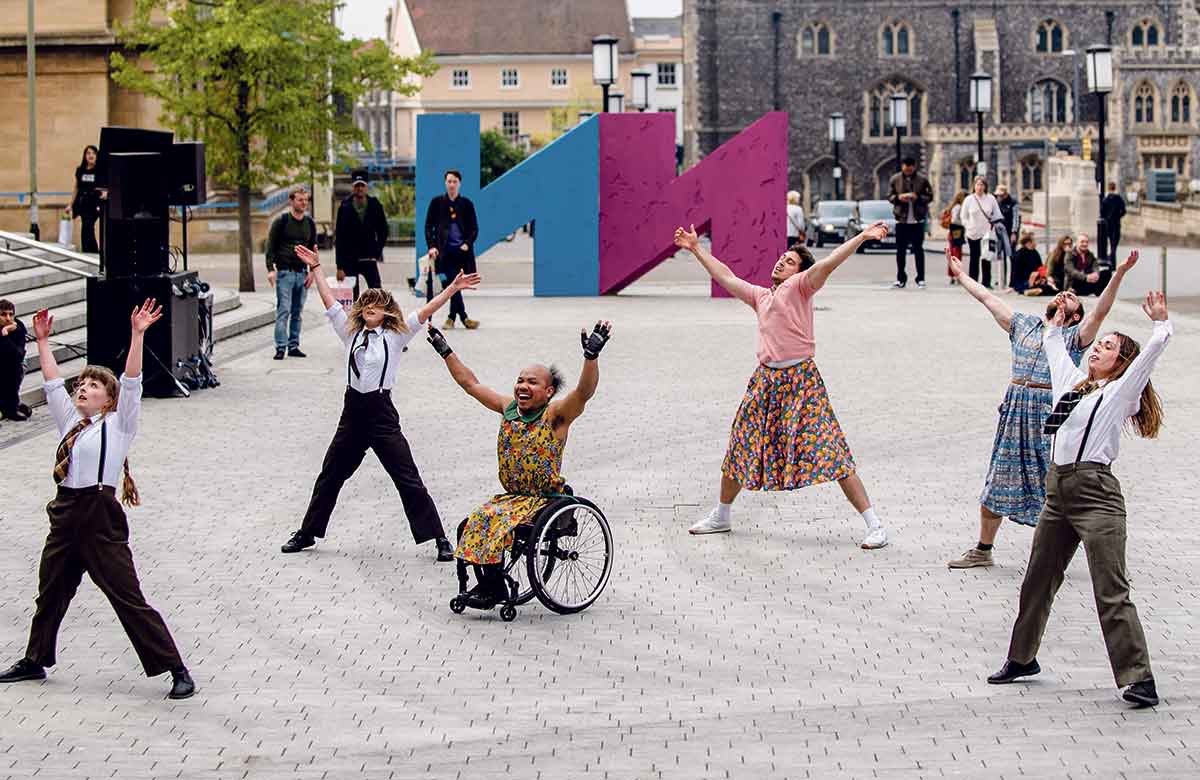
<point>28,245</point>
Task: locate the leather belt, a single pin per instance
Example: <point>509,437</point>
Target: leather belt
<point>1035,385</point>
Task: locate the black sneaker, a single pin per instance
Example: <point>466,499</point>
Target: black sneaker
<point>1142,693</point>
<point>445,552</point>
<point>299,541</point>
<point>295,352</point>
<point>279,354</point>
<point>23,670</point>
<point>182,686</point>
<point>899,285</point>
<point>1012,670</point>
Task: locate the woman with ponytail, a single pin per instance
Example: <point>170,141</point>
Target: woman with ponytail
<point>88,529</point>
<point>1083,498</point>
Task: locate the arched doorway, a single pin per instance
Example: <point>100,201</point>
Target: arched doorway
<point>819,183</point>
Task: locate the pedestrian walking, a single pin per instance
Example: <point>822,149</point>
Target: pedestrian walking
<point>1112,211</point>
<point>1084,502</point>
<point>785,435</point>
<point>980,215</point>
<point>910,194</point>
<point>795,218</point>
<point>450,231</point>
<point>286,273</point>
<point>359,236</point>
<point>85,200</point>
<point>89,531</point>
<point>375,334</point>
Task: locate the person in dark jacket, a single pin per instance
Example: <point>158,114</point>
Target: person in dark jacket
<point>85,200</point>
<point>1112,210</point>
<point>360,233</point>
<point>910,195</point>
<point>450,232</point>
<point>1084,273</point>
<point>12,363</point>
<point>1026,262</point>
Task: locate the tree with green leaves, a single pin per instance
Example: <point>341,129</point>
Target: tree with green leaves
<point>497,155</point>
<point>267,85</point>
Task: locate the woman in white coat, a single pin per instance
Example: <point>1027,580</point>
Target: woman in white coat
<point>979,214</point>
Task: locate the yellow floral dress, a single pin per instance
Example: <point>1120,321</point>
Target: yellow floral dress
<point>530,458</point>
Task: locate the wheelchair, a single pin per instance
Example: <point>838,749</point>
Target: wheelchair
<point>562,558</point>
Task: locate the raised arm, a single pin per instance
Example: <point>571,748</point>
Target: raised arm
<point>1000,310</point>
<point>461,282</point>
<point>43,322</point>
<point>1095,318</point>
<point>819,273</point>
<point>1064,374</point>
<point>721,273</point>
<point>313,261</point>
<point>141,319</point>
<point>571,406</point>
<point>1135,378</point>
<point>465,377</point>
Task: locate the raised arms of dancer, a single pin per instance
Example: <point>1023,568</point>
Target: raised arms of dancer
<point>43,322</point>
<point>1133,381</point>
<point>465,377</point>
<point>721,273</point>
<point>819,273</point>
<point>461,282</point>
<point>1095,318</point>
<point>1064,374</point>
<point>141,319</point>
<point>1000,310</point>
<point>571,406</point>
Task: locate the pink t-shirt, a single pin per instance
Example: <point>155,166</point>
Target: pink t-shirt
<point>785,319</point>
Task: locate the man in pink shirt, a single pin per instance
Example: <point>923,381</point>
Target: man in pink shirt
<point>785,435</point>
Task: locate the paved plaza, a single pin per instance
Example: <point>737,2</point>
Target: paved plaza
<point>781,650</point>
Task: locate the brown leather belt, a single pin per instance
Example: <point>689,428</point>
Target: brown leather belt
<point>1034,385</point>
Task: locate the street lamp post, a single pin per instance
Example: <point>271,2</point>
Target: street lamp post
<point>641,89</point>
<point>1100,83</point>
<point>616,102</point>
<point>981,103</point>
<point>837,134</point>
<point>31,86</point>
<point>899,120</point>
<point>604,64</point>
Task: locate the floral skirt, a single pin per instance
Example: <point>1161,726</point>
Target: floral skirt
<point>488,532</point>
<point>785,435</point>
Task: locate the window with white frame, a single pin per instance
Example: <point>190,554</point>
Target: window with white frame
<point>1144,98</point>
<point>1050,37</point>
<point>895,39</point>
<point>509,78</point>
<point>667,75</point>
<point>879,109</point>
<point>815,40</point>
<point>460,78</point>
<point>558,77</point>
<point>510,124</point>
<point>1048,103</point>
<point>1144,34</point>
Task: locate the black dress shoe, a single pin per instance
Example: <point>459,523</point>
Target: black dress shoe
<point>1142,693</point>
<point>1012,670</point>
<point>27,670</point>
<point>182,686</point>
<point>445,551</point>
<point>295,352</point>
<point>279,354</point>
<point>299,541</point>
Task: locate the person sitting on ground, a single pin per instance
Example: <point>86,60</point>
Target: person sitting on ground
<point>1084,271</point>
<point>1025,263</point>
<point>530,446</point>
<point>13,338</point>
<point>1056,264</point>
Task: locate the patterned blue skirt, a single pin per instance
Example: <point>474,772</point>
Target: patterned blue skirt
<point>1016,479</point>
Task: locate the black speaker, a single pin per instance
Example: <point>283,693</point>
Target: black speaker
<point>136,231</point>
<point>188,186</point>
<point>171,341</point>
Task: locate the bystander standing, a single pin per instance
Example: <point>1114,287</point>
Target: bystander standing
<point>287,273</point>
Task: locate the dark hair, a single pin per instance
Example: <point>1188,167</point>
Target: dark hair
<point>83,157</point>
<point>909,161</point>
<point>556,378</point>
<point>452,172</point>
<point>807,260</point>
<point>7,305</point>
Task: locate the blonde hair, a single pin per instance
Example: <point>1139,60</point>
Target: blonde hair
<point>793,197</point>
<point>393,317</point>
<point>101,374</point>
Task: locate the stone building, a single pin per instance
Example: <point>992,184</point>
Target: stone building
<point>814,57</point>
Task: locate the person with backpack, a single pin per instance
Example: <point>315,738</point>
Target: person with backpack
<point>286,273</point>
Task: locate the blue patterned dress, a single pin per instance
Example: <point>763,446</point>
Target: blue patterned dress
<point>1016,480</point>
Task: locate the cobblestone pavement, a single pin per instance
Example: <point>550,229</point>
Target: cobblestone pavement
<point>780,650</point>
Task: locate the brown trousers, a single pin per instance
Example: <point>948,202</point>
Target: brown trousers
<point>1083,503</point>
<point>89,533</point>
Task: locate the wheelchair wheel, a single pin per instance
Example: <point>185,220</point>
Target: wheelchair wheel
<point>571,558</point>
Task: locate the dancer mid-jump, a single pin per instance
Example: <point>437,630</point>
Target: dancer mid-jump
<point>785,435</point>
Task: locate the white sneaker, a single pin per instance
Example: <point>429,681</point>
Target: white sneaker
<point>875,538</point>
<point>711,524</point>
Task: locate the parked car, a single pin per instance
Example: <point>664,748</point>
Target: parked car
<point>830,222</point>
<point>869,212</point>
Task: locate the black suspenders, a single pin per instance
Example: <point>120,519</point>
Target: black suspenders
<point>383,374</point>
<point>1088,429</point>
<point>103,453</point>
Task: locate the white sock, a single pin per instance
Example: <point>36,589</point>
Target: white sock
<point>723,511</point>
<point>872,519</point>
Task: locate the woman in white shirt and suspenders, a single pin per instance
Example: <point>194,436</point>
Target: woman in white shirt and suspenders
<point>1083,498</point>
<point>375,334</point>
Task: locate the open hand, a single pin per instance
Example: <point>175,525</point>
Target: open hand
<point>142,318</point>
<point>688,240</point>
<point>877,231</point>
<point>1128,262</point>
<point>595,342</point>
<point>308,256</point>
<point>466,281</point>
<point>1155,306</point>
<point>43,322</point>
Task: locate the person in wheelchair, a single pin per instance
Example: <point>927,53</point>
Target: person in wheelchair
<point>530,445</point>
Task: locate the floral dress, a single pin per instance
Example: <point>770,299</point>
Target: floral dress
<point>1016,480</point>
<point>530,458</point>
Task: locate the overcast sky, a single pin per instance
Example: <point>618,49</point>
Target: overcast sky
<point>364,18</point>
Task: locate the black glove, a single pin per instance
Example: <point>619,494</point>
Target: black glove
<point>439,342</point>
<point>595,342</point>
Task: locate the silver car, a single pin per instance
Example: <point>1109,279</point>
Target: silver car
<point>870,212</point>
<point>830,222</point>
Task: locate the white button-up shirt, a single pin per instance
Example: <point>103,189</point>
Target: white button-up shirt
<point>1119,399</point>
<point>379,359</point>
<point>120,428</point>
